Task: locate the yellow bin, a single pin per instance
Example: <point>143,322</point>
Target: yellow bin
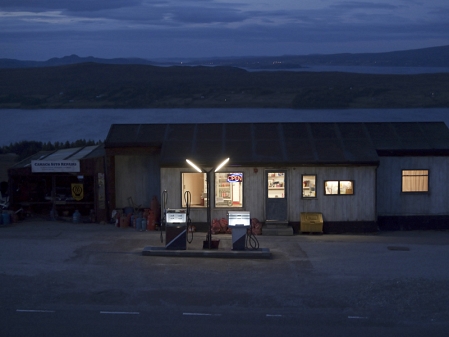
<point>311,222</point>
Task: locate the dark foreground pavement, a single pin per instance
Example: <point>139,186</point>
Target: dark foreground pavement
<point>64,279</point>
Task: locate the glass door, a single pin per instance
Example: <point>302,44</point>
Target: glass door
<point>276,196</point>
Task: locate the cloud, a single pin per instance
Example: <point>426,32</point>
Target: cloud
<point>69,5</point>
<point>143,28</point>
<point>208,15</point>
<point>351,5</point>
<point>173,15</point>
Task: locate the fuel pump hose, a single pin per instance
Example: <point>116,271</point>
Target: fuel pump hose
<point>164,200</point>
<point>189,228</point>
<point>251,240</point>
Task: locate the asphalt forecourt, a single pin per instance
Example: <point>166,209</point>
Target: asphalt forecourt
<point>54,273</point>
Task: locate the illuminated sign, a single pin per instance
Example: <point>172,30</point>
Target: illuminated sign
<point>235,177</point>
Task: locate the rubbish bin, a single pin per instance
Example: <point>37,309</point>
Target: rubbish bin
<point>239,222</point>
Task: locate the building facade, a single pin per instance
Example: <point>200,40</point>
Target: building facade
<point>58,183</point>
<point>360,176</point>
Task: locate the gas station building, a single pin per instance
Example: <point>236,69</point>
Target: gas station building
<point>359,176</point>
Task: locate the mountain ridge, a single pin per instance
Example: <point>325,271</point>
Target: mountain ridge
<point>424,57</point>
<point>93,85</point>
<point>69,60</point>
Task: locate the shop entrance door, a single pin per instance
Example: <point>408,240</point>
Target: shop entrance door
<point>276,196</point>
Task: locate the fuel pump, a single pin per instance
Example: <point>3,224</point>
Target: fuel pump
<point>176,229</point>
<point>239,222</point>
<point>177,224</point>
<point>242,234</point>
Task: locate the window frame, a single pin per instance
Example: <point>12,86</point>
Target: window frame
<point>229,206</point>
<point>302,186</point>
<point>415,192</point>
<point>273,189</point>
<point>183,205</point>
<point>339,181</point>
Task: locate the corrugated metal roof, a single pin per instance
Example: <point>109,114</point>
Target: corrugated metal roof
<point>280,143</point>
<point>82,153</point>
<point>62,154</point>
<point>76,153</point>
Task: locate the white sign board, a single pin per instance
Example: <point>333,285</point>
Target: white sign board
<point>43,166</point>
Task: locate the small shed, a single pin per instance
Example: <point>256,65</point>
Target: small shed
<point>59,182</point>
<point>7,161</point>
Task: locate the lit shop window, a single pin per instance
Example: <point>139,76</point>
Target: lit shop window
<point>309,186</point>
<point>415,180</point>
<point>229,189</point>
<point>196,184</point>
<point>276,184</point>
<point>338,187</point>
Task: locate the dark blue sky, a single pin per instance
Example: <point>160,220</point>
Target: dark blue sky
<point>41,29</point>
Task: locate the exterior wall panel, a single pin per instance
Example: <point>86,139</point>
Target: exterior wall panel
<point>392,202</point>
<point>253,194</point>
<point>138,177</point>
<point>358,207</point>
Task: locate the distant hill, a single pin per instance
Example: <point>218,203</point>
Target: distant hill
<point>72,59</point>
<point>93,85</point>
<point>426,57</point>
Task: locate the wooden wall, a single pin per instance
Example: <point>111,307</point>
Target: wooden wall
<point>138,177</point>
<point>6,162</point>
<point>253,195</point>
<point>358,207</point>
<point>377,190</point>
<point>392,202</point>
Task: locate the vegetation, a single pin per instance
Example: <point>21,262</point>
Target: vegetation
<point>26,149</point>
<point>93,85</point>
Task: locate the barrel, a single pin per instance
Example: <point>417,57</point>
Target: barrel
<point>151,221</point>
<point>138,223</point>
<point>76,217</point>
<point>6,218</point>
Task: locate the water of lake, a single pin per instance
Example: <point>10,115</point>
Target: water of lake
<point>367,70</point>
<point>93,124</point>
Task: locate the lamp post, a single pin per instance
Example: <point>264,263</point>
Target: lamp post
<point>208,180</point>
